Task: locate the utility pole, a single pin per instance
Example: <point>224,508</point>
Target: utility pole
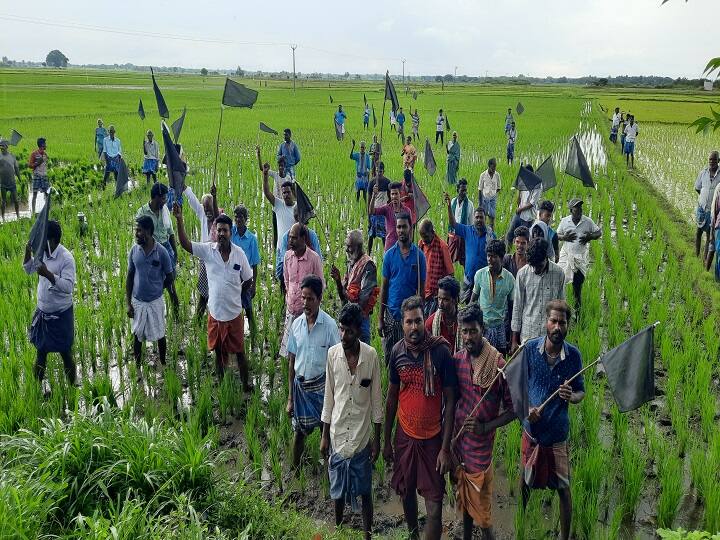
<point>455,78</point>
<point>293,47</point>
<point>403,61</point>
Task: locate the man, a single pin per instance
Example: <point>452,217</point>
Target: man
<point>714,250</point>
<point>311,336</point>
<point>705,185</point>
<point>415,118</point>
<point>375,154</point>
<point>476,365</point>
<point>313,242</point>
<point>526,212</point>
<point>546,209</point>
<point>511,137</point>
<point>537,283</point>
<point>360,284</point>
<point>151,154</point>
<point>100,134</point>
<point>615,125</point>
<point>389,212</point>
<point>290,151</point>
<point>489,187</point>
<point>514,262</point>
<point>9,171</point>
<point>228,273</point>
<point>464,211</point>
<point>401,124</point>
<point>352,401</point>
<point>422,393</point>
<point>366,117</point>
<point>453,158</point>
<point>246,240</point>
<point>409,154</point>
<point>280,176</point>
<point>443,321</point>
<point>403,272</point>
<point>393,121</point>
<point>440,127</point>
<point>576,231</point>
<point>631,133</point>
<point>38,163</point>
<point>340,117</point>
<point>493,292</point>
<point>509,120</point>
<point>439,264</point>
<point>163,232</point>
<point>476,238</point>
<point>53,328</point>
<point>362,170</point>
<point>283,207</point>
<point>149,267</point>
<point>112,154</point>
<point>299,261</point>
<point>551,363</point>
<point>376,224</point>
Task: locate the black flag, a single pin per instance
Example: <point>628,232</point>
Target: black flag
<point>577,165</point>
<point>305,209</point>
<point>422,205</point>
<point>374,117</point>
<point>267,129</point>
<point>630,370</point>
<point>238,95</point>
<point>430,164</point>
<point>415,95</point>
<point>121,183</point>
<point>516,375</point>
<point>526,179</point>
<point>177,125</point>
<point>162,107</point>
<point>447,124</point>
<point>364,100</point>
<point>176,169</point>
<point>331,99</point>
<point>38,233</point>
<point>14,138</point>
<point>519,108</point>
<point>546,172</point>
<point>390,93</point>
<point>141,110</point>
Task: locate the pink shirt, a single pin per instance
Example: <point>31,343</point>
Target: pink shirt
<point>388,211</point>
<point>296,268</point>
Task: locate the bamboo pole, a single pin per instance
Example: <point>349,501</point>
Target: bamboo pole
<point>217,146</point>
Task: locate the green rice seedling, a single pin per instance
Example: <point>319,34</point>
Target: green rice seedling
<point>513,432</point>
<point>671,489</point>
<point>173,391</point>
<point>99,388</point>
<point>202,415</point>
<point>633,462</point>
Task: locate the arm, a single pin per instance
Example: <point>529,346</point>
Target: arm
<point>184,241</point>
<point>213,192</point>
<point>451,215</point>
<point>371,204</point>
<point>266,185</point>
<point>335,275</point>
<point>327,410</point>
<point>63,281</point>
<point>257,151</point>
<point>444,459</point>
<point>383,305</point>
<point>193,202</point>
<point>291,379</point>
<point>296,153</point>
<point>517,312</point>
<point>391,404</point>
<point>352,149</point>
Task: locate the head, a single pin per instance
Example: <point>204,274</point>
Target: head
<point>479,218</point>
<point>297,238</point>
<point>42,143</point>
<point>462,189</point>
<point>400,111</point>
<point>241,217</point>
<point>495,251</point>
<point>454,135</point>
<point>509,110</point>
<point>448,295</point>
<point>100,122</point>
<point>362,147</point>
<point>712,160</point>
<point>402,227</point>
<point>632,119</point>
<point>521,239</point>
<point>375,138</point>
<point>54,234</point>
<point>537,230</point>
<point>408,176</point>
<point>311,289</point>
<point>223,228</point>
<point>558,318</point>
<point>350,319</point>
<point>537,254</point>
<point>281,165</point>
<point>413,322</point>
<point>354,245</point>
<point>381,168</point>
<point>545,212</point>
<point>395,192</point>
<point>207,204</point>
<point>471,328</point>
<point>144,229</point>
<point>440,112</point>
<point>617,110</point>
<point>287,194</point>
<point>150,135</point>
<point>111,131</point>
<point>492,165</point>
<point>339,108</point>
<point>158,195</point>
<point>287,134</point>
<point>408,140</point>
<point>427,231</point>
<point>576,208</point>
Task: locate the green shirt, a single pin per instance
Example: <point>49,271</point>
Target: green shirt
<point>162,232</point>
<point>493,297</point>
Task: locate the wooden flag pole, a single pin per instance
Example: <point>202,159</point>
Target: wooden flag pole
<point>571,379</point>
<point>217,146</point>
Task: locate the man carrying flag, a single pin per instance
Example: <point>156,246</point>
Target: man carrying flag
<point>340,118</point>
<point>366,117</point>
<point>511,138</point>
<point>112,154</point>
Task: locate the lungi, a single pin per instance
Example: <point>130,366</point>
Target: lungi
<point>150,165</point>
<point>544,466</point>
<point>148,324</point>
<point>350,477</point>
<point>456,245</point>
<point>228,335</point>
<point>308,396</point>
<point>414,466</point>
<point>112,164</point>
<point>572,263</point>
<point>497,337</point>
<point>393,333</point>
<point>52,332</point>
<point>474,495</point>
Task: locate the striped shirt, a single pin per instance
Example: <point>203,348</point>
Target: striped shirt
<point>532,293</point>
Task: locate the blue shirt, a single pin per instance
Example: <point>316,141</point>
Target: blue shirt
<point>402,273</point>
<point>366,116</point>
<point>311,348</point>
<point>362,166</point>
<point>112,147</point>
<point>280,254</point>
<point>554,424</point>
<point>248,243</point>
<point>475,256</point>
<point>290,152</point>
<point>400,118</point>
<point>340,117</point>
<point>150,271</point>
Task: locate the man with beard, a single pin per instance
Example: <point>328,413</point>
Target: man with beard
<point>439,265</point>
<point>352,402</point>
<point>360,282</point>
<point>149,266</point>
<point>551,363</point>
<point>476,365</point>
<point>443,321</point>
<point>389,212</point>
<point>422,393</point>
<point>228,273</point>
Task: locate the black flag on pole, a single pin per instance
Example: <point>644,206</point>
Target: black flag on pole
<point>38,233</point>
<point>14,138</point>
<point>331,99</point>
<point>526,179</point>
<point>267,129</point>
<point>162,107</point>
<point>546,172</point>
<point>177,125</point>
<point>422,205</point>
<point>364,100</point>
<point>447,123</point>
<point>141,110</point>
<point>516,375</point>
<point>430,165</point>
<point>577,165</point>
<point>519,108</point>
<point>176,169</point>
<point>238,95</point>
<point>390,93</point>
<point>305,209</point>
<point>122,180</point>
<point>374,117</point>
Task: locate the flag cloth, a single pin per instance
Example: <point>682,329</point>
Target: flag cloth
<point>331,99</point>
<point>141,110</point>
<point>390,93</point>
<point>238,95</point>
<point>176,169</point>
<point>422,205</point>
<point>267,129</point>
<point>374,117</point>
<point>305,209</point>
<point>516,375</point>
<point>526,180</point>
<point>447,124</point>
<point>162,107</point>
<point>177,125</point>
<point>577,165</point>
<point>338,130</point>
<point>630,370</point>
<point>14,138</point>
<point>38,233</point>
<point>430,164</point>
<point>121,183</point>
<point>519,108</point>
<point>546,172</point>
<point>364,99</point>
<point>414,95</point>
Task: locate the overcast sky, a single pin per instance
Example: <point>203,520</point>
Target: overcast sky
<point>500,37</point>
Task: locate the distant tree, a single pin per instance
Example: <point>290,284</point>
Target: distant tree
<point>438,78</point>
<point>357,76</point>
<point>347,74</point>
<point>204,72</point>
<point>56,59</point>
<point>449,78</point>
<point>239,72</point>
<point>601,82</point>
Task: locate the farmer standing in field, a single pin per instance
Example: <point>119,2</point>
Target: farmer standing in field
<point>401,124</point>
<point>409,155</point>
<point>576,232</point>
<point>508,120</point>
<point>714,250</point>
<point>311,336</point>
<point>340,118</point>
<point>375,155</point>
<point>376,227</point>
<point>421,393</point>
<point>551,362</point>
<point>229,274</point>
<point>511,138</point>
<point>453,159</point>
<point>631,133</point>
<point>546,209</point>
<point>9,171</point>
<point>38,163</point>
<point>352,402</point>
<point>443,321</point>
<point>366,117</point>
<point>439,264</point>
<point>476,366</point>
<point>100,134</point>
<point>464,210</point>
<point>112,154</point>
<point>362,170</point>
<point>389,212</point>
<point>279,177</point>
<point>615,125</point>
<point>149,268</point>
<point>283,207</point>
<point>313,242</point>
<point>246,240</point>
<point>290,151</point>
<point>151,154</point>
<point>707,180</point>
<point>415,118</point>
<point>360,284</point>
<point>440,127</point>
<point>527,210</point>
<point>489,186</point>
<point>53,324</point>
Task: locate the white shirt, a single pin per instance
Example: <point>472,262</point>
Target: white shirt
<point>278,181</point>
<point>706,183</point>
<point>285,216</point>
<point>585,225</point>
<point>489,185</point>
<point>199,212</point>
<point>439,123</point>
<point>458,211</point>
<point>631,132</point>
<point>512,135</point>
<point>54,298</point>
<point>225,279</point>
<point>352,402</point>
<point>530,197</point>
<point>616,120</point>
<point>151,150</point>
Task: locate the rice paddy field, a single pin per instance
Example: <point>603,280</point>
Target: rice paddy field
<point>178,455</point>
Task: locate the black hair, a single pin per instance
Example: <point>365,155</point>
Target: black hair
<point>471,314</point>
<point>41,141</point>
<point>558,305</point>
<point>530,167</point>
<point>461,182</point>
<point>54,231</point>
<point>414,302</point>
<point>450,285</point>
<point>403,215</point>
<point>351,315</point>
<point>537,251</point>
<point>158,190</point>
<point>287,183</point>
<point>395,185</point>
<point>287,130</point>
<point>313,283</point>
<point>522,231</point>
<point>146,223</point>
<point>240,209</point>
<point>496,247</point>
<point>548,206</point>
<point>281,160</point>
<point>224,218</point>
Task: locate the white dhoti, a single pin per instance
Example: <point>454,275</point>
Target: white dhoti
<point>572,261</point>
<point>148,324</point>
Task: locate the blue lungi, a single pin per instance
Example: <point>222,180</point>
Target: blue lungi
<point>308,396</point>
<point>350,477</point>
<point>52,332</point>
